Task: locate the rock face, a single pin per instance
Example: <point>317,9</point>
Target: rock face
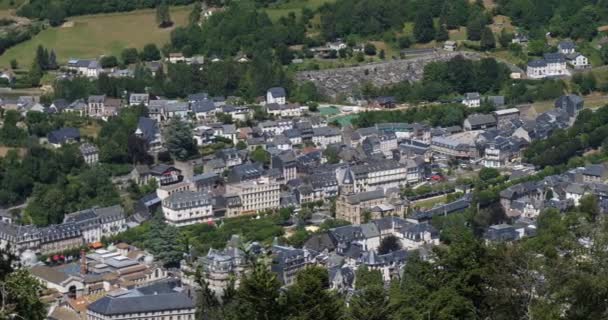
<point>344,81</point>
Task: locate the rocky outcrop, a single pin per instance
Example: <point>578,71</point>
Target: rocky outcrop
<point>343,81</point>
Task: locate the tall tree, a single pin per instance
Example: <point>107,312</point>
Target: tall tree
<point>424,30</point>
<point>257,297</point>
<point>195,15</point>
<point>487,39</point>
<point>309,298</point>
<point>179,140</point>
<point>163,17</point>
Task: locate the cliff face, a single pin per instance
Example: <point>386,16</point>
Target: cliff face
<point>344,81</point>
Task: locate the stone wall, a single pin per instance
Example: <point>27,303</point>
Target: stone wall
<point>343,81</point>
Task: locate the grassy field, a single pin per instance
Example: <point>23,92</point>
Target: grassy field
<point>10,4</point>
<point>94,35</point>
<point>430,203</point>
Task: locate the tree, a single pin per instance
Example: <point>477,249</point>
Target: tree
<point>129,56</point>
<point>487,39</point>
<point>505,38</point>
<point>257,297</point>
<point>35,74</point>
<point>150,52</point>
<point>19,296</point>
<point>179,140</point>
<point>163,17</point>
<point>14,64</point>
<point>195,15</point>
<point>442,34</point>
<point>241,145</point>
<point>382,54</point>
<point>56,14</point>
<point>369,49</point>
<point>260,155</point>
<point>475,27</point>
<point>370,303</point>
<point>309,298</point>
<point>52,64</point>
<point>164,242</point>
<point>389,244</point>
<point>604,54</point>
<point>424,30</point>
<point>486,174</point>
<point>404,42</point>
<point>108,62</point>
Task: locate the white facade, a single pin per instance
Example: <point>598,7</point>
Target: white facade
<point>257,195</point>
<point>187,207</point>
<point>324,141</point>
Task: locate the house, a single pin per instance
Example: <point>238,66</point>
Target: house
<point>505,116</point>
<point>136,99</point>
<point>459,145</point>
<point>148,130</point>
<point>496,101</point>
<point>187,207</point>
<point>276,95</point>
<point>161,173</point>
<point>284,110</point>
<point>377,174</point>
<point>552,65</point>
<point>96,106</point>
<point>479,121</point>
<point>594,173</point>
<point>157,301</point>
<point>566,47</point>
<point>287,262</point>
<point>255,196</point>
<point>578,61</point>
<point>204,109</point>
<point>63,136</point>
<point>240,113</point>
<point>352,207</point>
<point>570,103</point>
<point>176,57</point>
<point>286,163</point>
<point>384,102</point>
<point>324,136</point>
<point>520,39</point>
<point>58,106</point>
<point>450,45</point>
<point>89,153</point>
<point>472,99</point>
<point>87,68</point>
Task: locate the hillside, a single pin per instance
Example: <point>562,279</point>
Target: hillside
<point>94,35</point>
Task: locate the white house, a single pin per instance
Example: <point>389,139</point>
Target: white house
<point>472,99</point>
<point>276,95</point>
<point>87,68</point>
<point>566,47</point>
<point>187,207</point>
<point>552,65</point>
<point>578,61</point>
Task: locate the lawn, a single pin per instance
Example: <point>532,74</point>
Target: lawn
<point>591,101</point>
<point>430,203</point>
<point>10,4</point>
<point>94,35</point>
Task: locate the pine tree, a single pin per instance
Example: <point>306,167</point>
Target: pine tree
<point>487,39</point>
<point>195,15</point>
<point>179,140</point>
<point>52,65</point>
<point>442,34</point>
<point>424,31</point>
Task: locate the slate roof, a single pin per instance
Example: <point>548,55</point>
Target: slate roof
<point>481,119</point>
<point>145,299</point>
<point>277,92</point>
<point>365,196</point>
<point>203,106</point>
<point>62,135</point>
<point>147,127</point>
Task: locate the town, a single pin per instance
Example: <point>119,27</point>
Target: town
<point>230,179</point>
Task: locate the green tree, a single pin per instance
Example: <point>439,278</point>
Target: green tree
<point>487,39</point>
<point>195,15</point>
<point>14,64</point>
<point>260,155</point>
<point>389,244</point>
<point>424,30</point>
<point>178,137</point>
<point>257,297</point>
<point>369,49</point>
<point>19,296</point>
<point>150,52</point>
<point>475,28</point>
<point>108,62</point>
<point>241,145</point>
<point>505,38</point>
<point>604,54</point>
<point>442,33</point>
<point>310,298</point>
<point>163,17</point>
<point>129,56</point>
<point>56,14</point>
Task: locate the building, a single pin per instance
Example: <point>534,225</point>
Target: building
<point>578,61</point>
<point>136,99</point>
<point>570,103</point>
<point>284,110</point>
<point>354,207</point>
<point>472,99</point>
<point>149,130</point>
<point>552,65</point>
<point>566,47</point>
<point>187,207</point>
<point>459,145</point>
<point>288,261</point>
<point>87,68</point>
<point>324,136</point>
<point>286,163</point>
<point>450,45</point>
<point>162,174</point>
<point>160,301</point>
<point>221,267</point>
<point>63,136</point>
<point>255,196</point>
<point>276,95</point>
<point>479,121</point>
<point>89,153</point>
<point>505,116</point>
<point>381,174</point>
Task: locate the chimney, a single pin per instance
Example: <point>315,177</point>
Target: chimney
<point>83,262</point>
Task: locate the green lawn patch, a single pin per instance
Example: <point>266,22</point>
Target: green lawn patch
<point>94,35</point>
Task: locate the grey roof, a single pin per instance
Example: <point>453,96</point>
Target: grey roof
<point>325,131</point>
<point>370,230</point>
<point>97,99</point>
<point>481,119</point>
<point>62,135</point>
<point>554,57</point>
<point>365,196</point>
<point>185,199</point>
<point>539,63</point>
<point>203,106</point>
<point>157,297</point>
<point>472,96</point>
<point>566,45</point>
<point>148,128</point>
<point>277,92</point>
